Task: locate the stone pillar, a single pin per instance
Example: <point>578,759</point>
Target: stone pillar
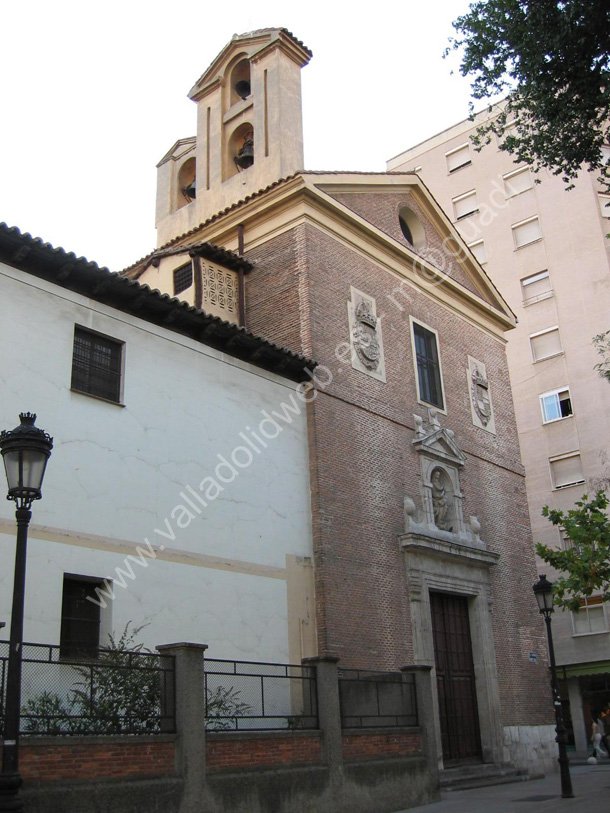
<point>329,713</point>
<point>582,737</point>
<point>189,693</point>
<point>425,693</point>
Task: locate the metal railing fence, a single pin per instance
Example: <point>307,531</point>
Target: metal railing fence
<point>251,696</point>
<point>118,692</point>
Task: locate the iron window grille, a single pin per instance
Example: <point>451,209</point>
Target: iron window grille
<point>183,278</point>
<point>96,365</point>
<point>428,366</point>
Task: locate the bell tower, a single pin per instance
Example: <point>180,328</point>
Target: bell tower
<point>249,130</point>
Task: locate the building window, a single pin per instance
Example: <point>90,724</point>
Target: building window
<point>427,359</point>
<point>604,205</point>
<point>556,405</point>
<point>183,278</point>
<point>96,365</point>
<point>591,617</point>
<point>478,249</point>
<point>566,470</point>
<point>458,158</point>
<point>545,344</point>
<point>80,618</point>
<point>465,205</point>
<point>606,154</point>
<point>536,287</point>
<point>517,181</point>
<point>526,232</point>
<point>566,542</point>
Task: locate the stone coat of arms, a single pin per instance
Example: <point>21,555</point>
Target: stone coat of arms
<point>479,389</point>
<point>364,335</point>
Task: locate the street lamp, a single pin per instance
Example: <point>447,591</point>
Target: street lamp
<point>543,590</point>
<point>25,451</point>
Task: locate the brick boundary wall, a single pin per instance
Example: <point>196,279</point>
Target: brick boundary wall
<point>372,745</point>
<point>53,759</point>
<point>226,752</point>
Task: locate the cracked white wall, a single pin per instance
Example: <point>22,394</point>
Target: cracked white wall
<point>238,576</point>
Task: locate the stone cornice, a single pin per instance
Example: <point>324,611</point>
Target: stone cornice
<point>429,544</point>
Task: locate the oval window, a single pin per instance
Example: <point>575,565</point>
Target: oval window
<point>411,227</point>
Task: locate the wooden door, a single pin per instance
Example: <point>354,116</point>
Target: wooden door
<point>455,679</point>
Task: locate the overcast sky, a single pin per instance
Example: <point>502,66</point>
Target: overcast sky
<point>94,94</point>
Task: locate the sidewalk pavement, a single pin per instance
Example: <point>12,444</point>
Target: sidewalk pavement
<point>591,785</point>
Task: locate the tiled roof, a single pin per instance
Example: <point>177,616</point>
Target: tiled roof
<point>260,31</point>
<point>33,256</point>
<point>222,256</point>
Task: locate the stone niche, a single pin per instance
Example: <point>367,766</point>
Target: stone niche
<point>441,514</point>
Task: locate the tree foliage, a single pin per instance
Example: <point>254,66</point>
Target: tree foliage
<point>585,566</point>
<point>551,60</point>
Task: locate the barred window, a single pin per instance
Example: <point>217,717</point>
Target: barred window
<point>183,278</point>
<point>80,618</point>
<point>428,366</point>
<point>96,365</point>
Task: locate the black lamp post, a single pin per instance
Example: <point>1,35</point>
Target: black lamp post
<point>25,451</point>
<point>543,590</point>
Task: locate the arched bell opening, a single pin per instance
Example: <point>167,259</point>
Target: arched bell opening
<point>186,183</point>
<point>239,82</point>
<point>240,150</point>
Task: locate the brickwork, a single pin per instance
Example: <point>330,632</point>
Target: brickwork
<point>382,211</point>
<point>366,745</point>
<point>363,465</point>
<point>256,751</point>
<point>66,759</point>
<point>277,318</point>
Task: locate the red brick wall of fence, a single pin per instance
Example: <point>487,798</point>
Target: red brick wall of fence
<point>372,745</point>
<point>96,758</point>
<point>225,752</point>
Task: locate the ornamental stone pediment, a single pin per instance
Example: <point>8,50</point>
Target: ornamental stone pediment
<point>438,524</point>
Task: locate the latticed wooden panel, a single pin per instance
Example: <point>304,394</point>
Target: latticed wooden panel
<point>220,291</point>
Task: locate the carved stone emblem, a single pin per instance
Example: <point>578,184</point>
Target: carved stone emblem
<point>480,396</point>
<point>365,335</point>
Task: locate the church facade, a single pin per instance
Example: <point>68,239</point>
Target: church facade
<point>422,549</point>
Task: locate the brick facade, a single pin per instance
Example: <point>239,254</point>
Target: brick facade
<point>382,211</point>
<point>363,463</point>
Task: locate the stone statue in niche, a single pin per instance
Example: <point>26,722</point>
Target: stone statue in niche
<point>440,503</point>
<point>364,336</point>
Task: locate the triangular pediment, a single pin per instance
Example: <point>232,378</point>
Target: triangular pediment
<point>441,445</point>
<point>439,249</point>
<point>251,44</point>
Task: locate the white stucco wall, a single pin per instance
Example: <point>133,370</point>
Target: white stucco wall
<point>237,575</point>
